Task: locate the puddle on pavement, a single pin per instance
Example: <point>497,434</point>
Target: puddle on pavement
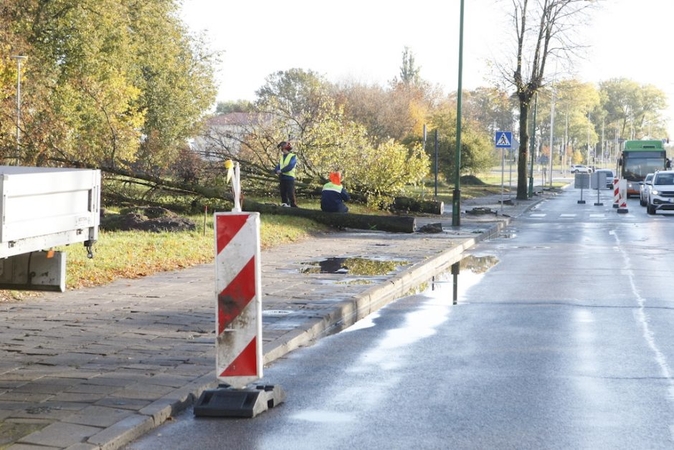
<point>423,321</point>
<point>507,234</point>
<point>354,266</point>
<point>462,276</point>
<point>478,264</point>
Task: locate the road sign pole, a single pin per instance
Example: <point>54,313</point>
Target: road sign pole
<point>503,140</point>
<point>502,175</point>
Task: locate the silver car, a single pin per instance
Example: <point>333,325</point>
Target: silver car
<point>644,189</point>
<point>609,177</point>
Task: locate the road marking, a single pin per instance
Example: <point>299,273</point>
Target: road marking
<point>643,318</point>
<point>597,216</point>
<point>537,215</point>
<point>567,216</point>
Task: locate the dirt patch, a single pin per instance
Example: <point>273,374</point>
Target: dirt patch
<point>149,218</point>
<point>472,180</point>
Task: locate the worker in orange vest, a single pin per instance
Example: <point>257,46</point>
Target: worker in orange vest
<point>334,195</point>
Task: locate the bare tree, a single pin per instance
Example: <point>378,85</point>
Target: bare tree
<point>543,30</point>
<point>409,72</point>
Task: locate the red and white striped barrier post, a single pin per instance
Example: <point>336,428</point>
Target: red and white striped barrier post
<point>239,304</point>
<point>622,207</point>
<point>238,321</point>
<point>616,193</point>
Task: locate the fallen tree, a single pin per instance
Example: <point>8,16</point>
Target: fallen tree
<point>389,223</point>
<point>394,224</point>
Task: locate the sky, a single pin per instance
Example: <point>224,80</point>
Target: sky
<point>363,40</point>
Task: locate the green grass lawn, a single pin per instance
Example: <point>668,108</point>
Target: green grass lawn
<point>133,254</point>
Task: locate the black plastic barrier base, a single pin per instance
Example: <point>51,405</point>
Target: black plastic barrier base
<point>226,401</point>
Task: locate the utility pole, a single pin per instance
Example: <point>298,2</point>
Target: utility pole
<point>552,129</point>
<point>456,197</point>
<point>19,60</point>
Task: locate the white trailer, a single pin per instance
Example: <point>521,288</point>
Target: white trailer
<point>43,208</point>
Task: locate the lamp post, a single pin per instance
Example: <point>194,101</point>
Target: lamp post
<point>590,161</point>
<point>19,60</point>
<point>456,197</point>
<point>552,128</point>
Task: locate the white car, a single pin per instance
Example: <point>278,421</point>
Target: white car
<point>661,194</point>
<point>644,189</point>
<point>579,168</point>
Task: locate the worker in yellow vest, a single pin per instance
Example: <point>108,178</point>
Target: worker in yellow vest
<point>286,174</point>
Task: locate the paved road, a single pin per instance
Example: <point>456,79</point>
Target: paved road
<point>97,368</point>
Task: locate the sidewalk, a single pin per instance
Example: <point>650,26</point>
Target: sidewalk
<point>97,368</point>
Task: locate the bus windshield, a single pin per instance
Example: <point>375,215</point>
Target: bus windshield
<point>637,164</point>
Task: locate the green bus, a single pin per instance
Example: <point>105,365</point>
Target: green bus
<point>638,159</point>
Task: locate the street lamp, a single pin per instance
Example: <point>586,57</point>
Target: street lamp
<point>19,60</point>
<point>552,128</point>
<point>456,197</point>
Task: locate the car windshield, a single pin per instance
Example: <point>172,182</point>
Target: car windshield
<point>664,179</point>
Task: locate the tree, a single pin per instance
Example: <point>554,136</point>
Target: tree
<point>491,107</point>
<point>238,106</point>
<point>543,29</point>
<point>409,72</point>
<point>75,105</point>
<point>107,81</point>
<point>575,105</point>
<point>397,111</point>
<point>477,147</point>
<point>298,105</point>
<point>634,110</point>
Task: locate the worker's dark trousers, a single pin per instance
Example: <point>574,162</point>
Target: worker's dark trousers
<point>287,188</point>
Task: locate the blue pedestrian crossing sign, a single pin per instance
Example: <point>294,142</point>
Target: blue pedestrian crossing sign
<point>504,139</point>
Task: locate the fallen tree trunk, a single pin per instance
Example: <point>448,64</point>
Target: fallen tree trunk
<point>408,204</point>
<point>394,224</point>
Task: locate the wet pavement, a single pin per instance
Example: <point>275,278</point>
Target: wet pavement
<point>97,368</point>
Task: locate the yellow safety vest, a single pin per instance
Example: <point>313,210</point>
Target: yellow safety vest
<point>333,187</point>
<point>284,162</point>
